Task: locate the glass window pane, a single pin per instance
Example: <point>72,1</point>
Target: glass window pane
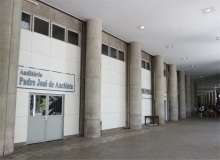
<point>73,38</point>
<point>105,49</point>
<point>148,65</point>
<point>37,105</point>
<point>55,105</point>
<point>113,52</point>
<point>25,21</point>
<point>58,32</point>
<point>41,26</point>
<point>121,55</point>
<point>143,64</point>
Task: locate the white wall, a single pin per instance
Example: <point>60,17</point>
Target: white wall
<point>42,52</point>
<point>146,100</point>
<point>113,93</point>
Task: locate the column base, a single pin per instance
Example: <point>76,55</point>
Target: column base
<point>92,128</point>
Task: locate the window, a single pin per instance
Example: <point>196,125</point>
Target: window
<point>41,105</point>
<point>164,73</point>
<point>26,21</point>
<point>105,49</point>
<point>41,26</point>
<point>113,52</point>
<point>121,55</point>
<point>145,65</point>
<point>148,66</point>
<point>73,38</point>
<point>58,32</point>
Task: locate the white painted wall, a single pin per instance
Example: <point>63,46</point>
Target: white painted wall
<point>43,52</point>
<point>146,100</point>
<point>113,93</point>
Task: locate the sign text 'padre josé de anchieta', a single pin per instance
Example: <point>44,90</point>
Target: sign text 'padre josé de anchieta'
<point>32,78</point>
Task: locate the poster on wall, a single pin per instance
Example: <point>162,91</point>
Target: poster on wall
<point>33,78</point>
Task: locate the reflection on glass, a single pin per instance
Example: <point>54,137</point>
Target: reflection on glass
<point>113,52</point>
<point>37,105</point>
<point>55,105</point>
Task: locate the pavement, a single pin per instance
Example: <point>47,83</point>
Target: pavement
<point>187,139</point>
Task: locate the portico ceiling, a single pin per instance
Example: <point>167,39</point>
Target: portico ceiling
<point>187,25</point>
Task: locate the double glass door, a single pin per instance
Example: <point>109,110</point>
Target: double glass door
<point>45,120</point>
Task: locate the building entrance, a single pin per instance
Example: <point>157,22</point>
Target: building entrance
<point>45,120</point>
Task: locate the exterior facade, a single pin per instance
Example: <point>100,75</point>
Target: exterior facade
<point>61,76</point>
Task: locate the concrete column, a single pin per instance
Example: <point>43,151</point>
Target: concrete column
<point>173,93</point>
<point>195,95</point>
<point>192,95</point>
<point>182,94</point>
<point>188,97</point>
<point>93,79</point>
<point>10,19</point>
<point>214,97</point>
<point>211,98</point>
<point>159,89</point>
<point>135,86</point>
<point>207,99</point>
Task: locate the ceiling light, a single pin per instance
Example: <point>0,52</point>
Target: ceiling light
<point>141,27</point>
<point>169,46</point>
<point>200,76</point>
<point>184,58</point>
<point>217,38</point>
<point>193,66</point>
<point>208,10</point>
<point>197,72</point>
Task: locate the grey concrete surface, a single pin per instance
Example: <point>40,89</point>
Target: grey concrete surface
<point>159,88</point>
<point>135,85</point>
<point>182,94</point>
<point>186,139</point>
<point>93,79</point>
<point>10,19</point>
<point>188,97</point>
<point>173,92</point>
<point>192,94</point>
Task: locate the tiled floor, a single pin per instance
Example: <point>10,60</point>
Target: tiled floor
<point>185,139</point>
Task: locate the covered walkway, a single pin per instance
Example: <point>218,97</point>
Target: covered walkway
<point>186,139</point>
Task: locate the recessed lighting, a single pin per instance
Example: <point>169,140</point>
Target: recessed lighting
<point>169,46</point>
<point>193,66</point>
<point>200,76</point>
<point>141,27</point>
<point>208,10</point>
<point>217,38</point>
<point>184,58</point>
<point>198,72</point>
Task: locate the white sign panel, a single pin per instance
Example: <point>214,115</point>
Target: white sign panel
<point>146,96</point>
<point>32,78</point>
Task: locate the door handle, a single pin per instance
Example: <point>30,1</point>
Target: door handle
<point>45,118</point>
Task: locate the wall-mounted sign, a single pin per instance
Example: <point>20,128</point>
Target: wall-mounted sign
<point>146,93</point>
<point>32,78</point>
